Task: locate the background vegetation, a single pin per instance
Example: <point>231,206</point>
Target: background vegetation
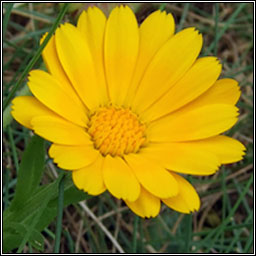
<point>102,224</point>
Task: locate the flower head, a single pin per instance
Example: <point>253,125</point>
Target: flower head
<point>129,108</point>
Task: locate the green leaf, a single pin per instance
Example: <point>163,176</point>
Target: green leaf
<point>32,203</point>
<point>71,195</point>
<point>30,172</point>
<point>26,214</point>
<point>14,233</point>
<point>36,218</point>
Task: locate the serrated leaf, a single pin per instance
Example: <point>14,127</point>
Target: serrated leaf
<point>30,172</point>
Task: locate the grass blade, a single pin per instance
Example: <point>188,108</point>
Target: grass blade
<point>6,17</point>
<point>221,228</point>
<point>36,56</point>
<point>13,148</point>
<point>249,243</point>
<point>183,16</point>
<point>216,28</point>
<point>224,29</point>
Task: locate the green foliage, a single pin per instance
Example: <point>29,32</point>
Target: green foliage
<point>34,207</point>
<point>14,233</point>
<point>30,172</point>
<point>35,57</point>
<point>7,16</point>
<point>225,221</point>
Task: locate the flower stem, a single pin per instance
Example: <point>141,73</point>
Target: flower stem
<point>59,215</point>
<point>135,229</point>
<point>188,221</point>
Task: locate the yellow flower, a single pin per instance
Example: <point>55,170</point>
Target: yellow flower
<point>128,107</point>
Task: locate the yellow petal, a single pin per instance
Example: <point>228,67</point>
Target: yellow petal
<point>152,176</point>
<point>186,157</point>
<point>146,205</point>
<point>24,108</point>
<point>119,179</point>
<point>73,157</point>
<point>53,65</point>
<point>194,123</point>
<point>155,30</point>
<point>168,65</point>
<point>59,131</point>
<point>224,91</point>
<point>196,81</point>
<point>48,90</point>
<point>121,50</point>
<point>187,200</point>
<point>92,26</point>
<point>203,157</point>
<point>228,150</point>
<point>90,178</point>
<point>77,61</point>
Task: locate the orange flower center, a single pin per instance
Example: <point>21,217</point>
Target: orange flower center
<point>116,131</point>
